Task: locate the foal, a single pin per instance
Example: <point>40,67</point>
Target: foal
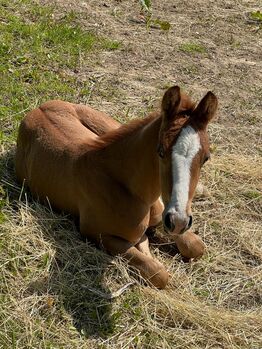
<point>112,181</point>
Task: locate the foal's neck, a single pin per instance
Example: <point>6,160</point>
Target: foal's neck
<point>137,165</point>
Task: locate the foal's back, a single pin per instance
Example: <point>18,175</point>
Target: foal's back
<point>51,138</point>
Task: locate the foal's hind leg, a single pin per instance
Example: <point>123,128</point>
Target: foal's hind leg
<point>150,269</point>
<point>95,121</point>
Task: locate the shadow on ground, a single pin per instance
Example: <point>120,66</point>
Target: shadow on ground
<point>71,265</point>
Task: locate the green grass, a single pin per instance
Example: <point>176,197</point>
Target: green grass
<point>2,204</point>
<point>40,56</point>
<point>39,59</point>
<point>192,47</point>
<point>256,15</point>
<point>45,268</point>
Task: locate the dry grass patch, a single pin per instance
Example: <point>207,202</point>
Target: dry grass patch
<point>46,270</point>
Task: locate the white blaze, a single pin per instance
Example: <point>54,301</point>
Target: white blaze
<point>183,153</point>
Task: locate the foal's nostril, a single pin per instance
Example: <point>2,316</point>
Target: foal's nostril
<point>190,221</point>
<point>169,222</point>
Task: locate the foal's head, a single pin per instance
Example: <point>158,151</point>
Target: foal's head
<point>183,150</point>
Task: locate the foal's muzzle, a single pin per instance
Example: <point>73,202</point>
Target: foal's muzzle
<point>176,224</point>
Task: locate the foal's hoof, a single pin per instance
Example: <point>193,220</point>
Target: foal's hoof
<point>159,280</point>
<point>190,245</point>
<point>156,275</point>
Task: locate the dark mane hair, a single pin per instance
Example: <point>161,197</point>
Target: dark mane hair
<point>124,130</point>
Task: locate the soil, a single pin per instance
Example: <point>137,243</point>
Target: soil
<point>130,81</point>
<point>211,45</point>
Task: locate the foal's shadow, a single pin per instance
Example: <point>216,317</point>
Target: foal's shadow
<point>77,272</point>
<point>73,266</point>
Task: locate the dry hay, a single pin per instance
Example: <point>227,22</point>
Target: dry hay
<point>212,303</point>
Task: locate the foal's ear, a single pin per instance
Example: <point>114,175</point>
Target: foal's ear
<point>206,110</point>
<point>171,102</point>
<point>169,110</point>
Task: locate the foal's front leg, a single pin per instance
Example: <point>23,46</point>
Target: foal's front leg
<point>155,219</point>
<point>143,246</point>
<point>156,211</point>
<point>152,270</point>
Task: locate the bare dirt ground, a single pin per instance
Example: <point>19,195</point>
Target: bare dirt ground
<point>216,301</point>
<point>150,60</point>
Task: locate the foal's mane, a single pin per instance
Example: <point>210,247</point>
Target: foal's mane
<point>124,130</point>
<point>128,129</point>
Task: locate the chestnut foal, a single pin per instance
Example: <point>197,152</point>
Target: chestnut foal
<point>112,176</point>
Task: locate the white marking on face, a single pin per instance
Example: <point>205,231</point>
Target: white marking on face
<point>183,153</point>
